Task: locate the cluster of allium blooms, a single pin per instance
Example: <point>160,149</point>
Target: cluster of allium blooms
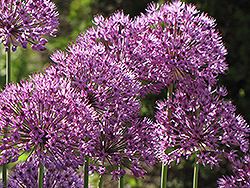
<point>23,22</point>
<point>96,64</point>
<point>241,169</point>
<point>199,120</point>
<point>167,44</point>
<point>117,137</point>
<point>37,117</point>
<point>87,103</point>
<point>121,144</point>
<point>26,175</point>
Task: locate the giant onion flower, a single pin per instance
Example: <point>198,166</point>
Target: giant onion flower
<point>24,22</point>
<point>201,123</point>
<point>37,116</point>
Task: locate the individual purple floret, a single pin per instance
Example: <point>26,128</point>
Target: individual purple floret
<point>24,22</point>
<point>37,116</point>
<point>241,178</point>
<point>200,122</point>
<point>25,175</point>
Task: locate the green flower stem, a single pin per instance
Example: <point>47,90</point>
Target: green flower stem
<point>164,169</point>
<point>8,78</point>
<point>164,172</point>
<point>196,173</point>
<point>86,173</point>
<point>4,175</point>
<point>100,181</point>
<point>8,65</point>
<point>121,179</point>
<point>40,175</point>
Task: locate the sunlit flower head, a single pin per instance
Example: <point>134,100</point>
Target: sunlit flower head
<point>176,42</point>
<point>24,22</point>
<point>37,116</point>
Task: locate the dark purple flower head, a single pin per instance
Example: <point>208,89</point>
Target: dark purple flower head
<point>241,178</point>
<point>121,144</point>
<point>200,122</point>
<point>38,116</point>
<point>26,175</point>
<point>24,22</point>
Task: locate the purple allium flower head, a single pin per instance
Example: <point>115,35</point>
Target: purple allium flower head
<point>202,122</point>
<point>241,169</point>
<point>177,42</point>
<point>121,144</point>
<point>38,116</point>
<point>26,175</point>
<point>108,85</point>
<point>25,21</point>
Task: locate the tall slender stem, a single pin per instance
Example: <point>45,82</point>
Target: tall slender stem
<point>164,172</point>
<point>8,66</point>
<point>121,179</point>
<point>40,175</point>
<point>196,173</point>
<point>100,181</point>
<point>86,172</point>
<point>4,175</point>
<point>164,169</point>
<point>8,78</point>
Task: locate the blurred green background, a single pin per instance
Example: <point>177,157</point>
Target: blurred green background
<point>233,21</point>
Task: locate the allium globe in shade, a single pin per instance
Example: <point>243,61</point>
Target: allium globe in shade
<point>109,86</point>
<point>117,137</point>
<point>241,177</point>
<point>26,175</point>
<point>121,144</point>
<point>24,22</point>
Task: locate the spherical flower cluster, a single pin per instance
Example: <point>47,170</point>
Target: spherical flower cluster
<point>37,116</point>
<point>241,169</point>
<point>23,22</point>
<point>26,175</point>
<point>121,144</point>
<point>176,42</point>
<point>109,87</point>
<point>202,123</point>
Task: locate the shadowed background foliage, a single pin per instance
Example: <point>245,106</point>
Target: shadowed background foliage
<point>233,21</point>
